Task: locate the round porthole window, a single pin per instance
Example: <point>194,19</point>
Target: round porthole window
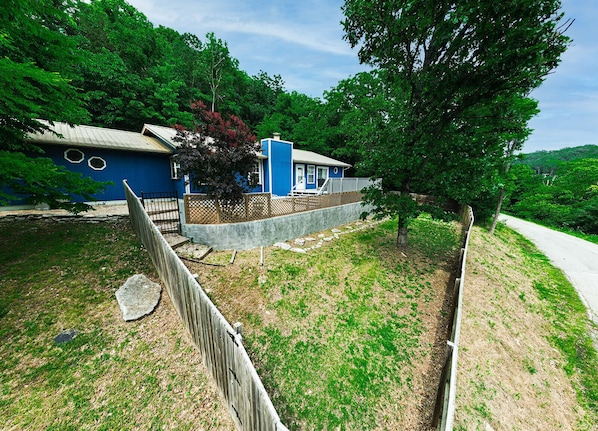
<point>336,170</point>
<point>74,156</point>
<point>96,163</point>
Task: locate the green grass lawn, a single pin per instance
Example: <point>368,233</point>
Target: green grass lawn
<point>114,374</point>
<point>348,336</point>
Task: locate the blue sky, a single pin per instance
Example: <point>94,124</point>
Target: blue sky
<point>301,40</point>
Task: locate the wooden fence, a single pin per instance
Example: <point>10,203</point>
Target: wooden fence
<point>201,209</point>
<point>220,345</point>
<point>444,411</point>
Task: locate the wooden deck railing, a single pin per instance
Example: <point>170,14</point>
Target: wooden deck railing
<point>201,209</point>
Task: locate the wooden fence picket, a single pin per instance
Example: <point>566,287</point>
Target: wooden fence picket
<point>220,346</point>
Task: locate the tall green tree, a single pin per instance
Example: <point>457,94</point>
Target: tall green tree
<point>258,96</point>
<point>445,61</point>
<point>218,68</point>
<point>481,147</point>
<point>290,111</point>
<point>512,130</point>
<point>357,112</point>
<point>37,51</point>
<point>131,72</point>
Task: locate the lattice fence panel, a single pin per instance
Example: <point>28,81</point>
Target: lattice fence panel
<point>282,206</point>
<point>258,206</point>
<point>199,209</point>
<point>232,212</point>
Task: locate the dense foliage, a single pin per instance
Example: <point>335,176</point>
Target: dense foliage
<point>563,192</point>
<point>547,162</point>
<point>35,46</point>
<point>102,63</point>
<point>37,53</point>
<point>134,73</point>
<point>453,72</point>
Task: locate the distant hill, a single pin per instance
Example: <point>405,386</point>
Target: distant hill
<point>546,162</point>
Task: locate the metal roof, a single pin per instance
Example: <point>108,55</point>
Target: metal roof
<point>153,139</point>
<point>98,137</point>
<point>309,157</point>
<point>165,134</point>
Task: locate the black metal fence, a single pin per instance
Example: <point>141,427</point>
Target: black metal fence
<point>163,209</point>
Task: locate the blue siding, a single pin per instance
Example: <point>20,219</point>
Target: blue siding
<point>145,172</point>
<point>280,160</point>
<point>150,172</point>
<point>338,174</point>
<point>266,165</point>
<point>179,186</point>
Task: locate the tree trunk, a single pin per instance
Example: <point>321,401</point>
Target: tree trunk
<point>402,237</point>
<point>501,197</point>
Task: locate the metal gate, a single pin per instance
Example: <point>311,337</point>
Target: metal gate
<point>163,210</point>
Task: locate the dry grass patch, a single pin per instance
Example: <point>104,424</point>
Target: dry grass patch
<point>349,335</point>
<point>511,374</point>
<point>114,375</point>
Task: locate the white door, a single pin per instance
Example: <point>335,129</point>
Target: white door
<point>300,177</point>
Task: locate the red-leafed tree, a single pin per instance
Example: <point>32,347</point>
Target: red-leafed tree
<point>219,154</point>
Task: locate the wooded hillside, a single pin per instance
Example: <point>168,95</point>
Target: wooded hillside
<point>557,188</point>
<point>547,162</point>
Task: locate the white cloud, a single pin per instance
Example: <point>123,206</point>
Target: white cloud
<point>304,36</point>
<point>286,37</point>
<point>568,98</point>
<point>314,25</point>
<point>155,12</point>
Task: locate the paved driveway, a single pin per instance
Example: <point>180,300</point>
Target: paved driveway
<point>577,258</point>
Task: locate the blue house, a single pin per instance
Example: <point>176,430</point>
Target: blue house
<point>292,171</point>
<point>147,160</point>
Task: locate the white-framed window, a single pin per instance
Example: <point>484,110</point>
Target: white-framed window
<point>74,155</point>
<point>96,163</point>
<point>311,174</point>
<point>322,175</point>
<point>175,169</point>
<point>257,170</point>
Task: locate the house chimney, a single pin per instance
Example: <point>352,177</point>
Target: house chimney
<point>277,136</point>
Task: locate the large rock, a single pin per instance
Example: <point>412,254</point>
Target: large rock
<point>138,297</point>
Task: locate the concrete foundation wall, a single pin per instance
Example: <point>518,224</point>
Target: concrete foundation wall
<point>247,235</point>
